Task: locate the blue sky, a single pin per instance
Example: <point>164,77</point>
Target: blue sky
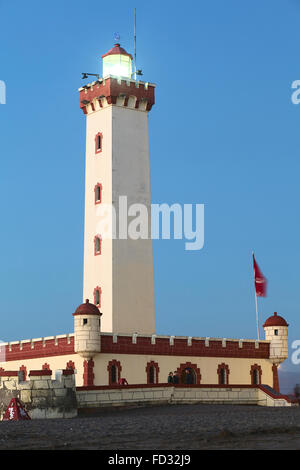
<point>224,133</point>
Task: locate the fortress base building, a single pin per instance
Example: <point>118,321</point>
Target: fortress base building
<point>118,280</point>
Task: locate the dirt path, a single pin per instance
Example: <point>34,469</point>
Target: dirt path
<point>174,427</point>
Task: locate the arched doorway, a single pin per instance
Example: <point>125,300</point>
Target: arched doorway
<point>189,374</point>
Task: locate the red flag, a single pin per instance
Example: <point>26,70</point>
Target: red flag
<point>259,280</point>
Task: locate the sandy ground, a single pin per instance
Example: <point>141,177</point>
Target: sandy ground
<point>174,427</point>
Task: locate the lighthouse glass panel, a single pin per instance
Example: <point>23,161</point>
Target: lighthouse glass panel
<point>117,65</point>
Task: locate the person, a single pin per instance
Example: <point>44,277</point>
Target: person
<point>188,377</point>
<point>170,378</point>
<point>175,377</point>
<point>123,381</point>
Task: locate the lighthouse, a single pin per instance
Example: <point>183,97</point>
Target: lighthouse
<point>118,270</point>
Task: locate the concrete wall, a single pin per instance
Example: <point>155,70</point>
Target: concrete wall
<point>127,395</point>
<point>41,396</point>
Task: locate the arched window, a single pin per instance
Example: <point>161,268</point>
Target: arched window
<point>189,373</point>
<point>223,374</point>
<point>114,372</point>
<point>152,371</point>
<point>23,370</point>
<point>256,374</point>
<point>97,296</point>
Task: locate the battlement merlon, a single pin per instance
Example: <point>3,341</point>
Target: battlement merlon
<point>140,344</point>
<point>118,91</point>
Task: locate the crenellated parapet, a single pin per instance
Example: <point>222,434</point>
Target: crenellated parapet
<point>135,344</point>
<point>184,346</point>
<point>117,91</point>
<point>38,347</point>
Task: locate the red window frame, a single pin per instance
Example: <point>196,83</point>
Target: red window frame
<point>98,137</point>
<point>97,237</point>
<point>255,369</point>
<point>118,369</point>
<point>226,370</point>
<point>97,289</point>
<point>98,185</point>
<point>155,369</point>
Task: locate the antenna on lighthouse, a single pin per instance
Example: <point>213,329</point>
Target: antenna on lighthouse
<point>135,43</point>
<point>139,71</point>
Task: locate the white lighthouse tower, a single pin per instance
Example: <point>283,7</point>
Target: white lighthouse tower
<point>118,270</point>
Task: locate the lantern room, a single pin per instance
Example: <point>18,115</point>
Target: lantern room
<point>117,62</point>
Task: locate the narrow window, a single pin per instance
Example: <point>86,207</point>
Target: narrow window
<point>255,373</point>
<point>97,296</point>
<point>114,371</point>
<point>85,321</point>
<point>223,373</point>
<point>98,143</point>
<point>276,332</point>
<point>151,375</point>
<point>223,376</point>
<point>255,377</point>
<point>98,193</point>
<point>152,371</point>
<point>113,374</point>
<point>97,245</point>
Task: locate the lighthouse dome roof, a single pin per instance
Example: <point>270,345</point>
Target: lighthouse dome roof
<point>117,49</point>
<point>275,320</point>
<point>87,309</point>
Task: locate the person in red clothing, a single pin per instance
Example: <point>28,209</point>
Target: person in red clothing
<point>123,381</point>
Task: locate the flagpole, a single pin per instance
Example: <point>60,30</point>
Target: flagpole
<point>257,324</point>
<point>256,314</point>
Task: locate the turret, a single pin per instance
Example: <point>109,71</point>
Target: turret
<point>276,331</point>
<point>87,327</point>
